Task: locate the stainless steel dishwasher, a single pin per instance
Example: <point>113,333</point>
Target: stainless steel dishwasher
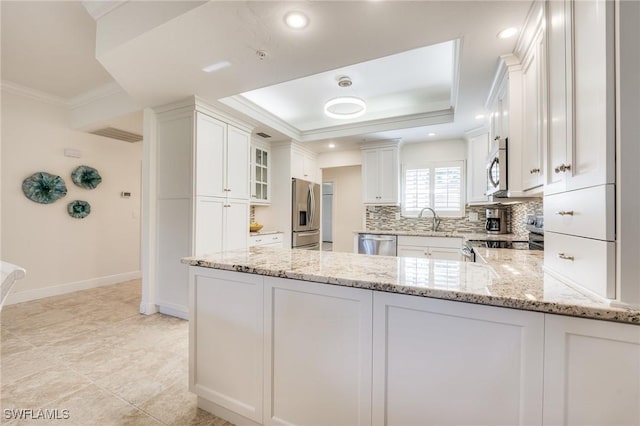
<point>384,245</point>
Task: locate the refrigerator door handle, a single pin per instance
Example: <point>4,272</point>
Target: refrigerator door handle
<point>312,206</point>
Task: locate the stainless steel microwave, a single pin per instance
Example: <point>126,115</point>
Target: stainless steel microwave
<point>497,171</point>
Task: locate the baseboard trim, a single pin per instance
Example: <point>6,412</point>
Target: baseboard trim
<point>173,310</point>
<point>40,293</point>
<point>148,308</point>
<point>226,414</point>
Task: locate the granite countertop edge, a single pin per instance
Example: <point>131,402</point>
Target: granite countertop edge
<point>608,313</point>
<point>467,236</point>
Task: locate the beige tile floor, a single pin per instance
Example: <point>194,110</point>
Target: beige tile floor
<point>92,353</point>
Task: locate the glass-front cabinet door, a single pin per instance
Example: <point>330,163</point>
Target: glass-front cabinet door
<point>260,187</point>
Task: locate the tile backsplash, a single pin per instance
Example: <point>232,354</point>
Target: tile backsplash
<point>385,219</point>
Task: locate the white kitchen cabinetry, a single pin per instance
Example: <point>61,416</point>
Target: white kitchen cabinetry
<point>202,193</point>
<point>268,240</point>
<point>580,177</point>
<point>260,173</point>
<point>442,362</point>
<point>221,152</point>
<point>533,114</point>
<point>591,372</point>
<point>226,321</point>
<point>477,151</point>
<point>444,248</point>
<point>304,165</point>
<point>317,354</point>
<point>381,175</point>
<point>582,144</point>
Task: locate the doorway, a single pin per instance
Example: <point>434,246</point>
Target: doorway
<point>327,216</point>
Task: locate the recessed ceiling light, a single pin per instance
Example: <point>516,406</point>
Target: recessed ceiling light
<point>332,145</point>
<point>296,20</point>
<point>217,66</point>
<point>345,107</point>
<point>431,134</point>
<point>508,32</point>
<point>479,116</point>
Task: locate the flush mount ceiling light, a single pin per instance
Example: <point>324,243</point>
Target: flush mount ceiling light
<point>345,107</point>
<point>508,32</point>
<point>217,66</point>
<point>332,145</point>
<point>296,20</point>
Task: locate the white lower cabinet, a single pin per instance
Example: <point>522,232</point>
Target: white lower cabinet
<point>451,363</point>
<point>592,372</point>
<point>226,340</point>
<point>268,240</point>
<point>274,351</point>
<point>317,354</point>
<point>444,248</point>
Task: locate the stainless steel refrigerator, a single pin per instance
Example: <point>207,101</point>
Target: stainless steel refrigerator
<point>305,215</point>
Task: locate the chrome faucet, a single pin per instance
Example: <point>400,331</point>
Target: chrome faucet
<point>436,219</point>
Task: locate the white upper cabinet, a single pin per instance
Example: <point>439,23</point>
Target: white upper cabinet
<point>477,151</point>
<point>582,88</point>
<point>211,141</point>
<point>380,175</point>
<point>533,114</point>
<point>260,173</point>
<point>304,165</point>
<point>222,159</point>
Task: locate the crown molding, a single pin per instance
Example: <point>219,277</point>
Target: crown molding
<point>99,8</point>
<point>28,92</point>
<point>95,94</point>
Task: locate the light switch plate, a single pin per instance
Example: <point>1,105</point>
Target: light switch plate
<point>473,216</point>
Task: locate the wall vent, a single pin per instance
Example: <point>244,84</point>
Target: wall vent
<point>113,133</point>
<point>263,135</point>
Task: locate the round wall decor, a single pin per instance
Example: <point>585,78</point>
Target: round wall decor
<point>79,209</point>
<point>44,188</point>
<point>86,177</point>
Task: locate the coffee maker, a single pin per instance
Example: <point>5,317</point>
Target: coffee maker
<point>496,221</point>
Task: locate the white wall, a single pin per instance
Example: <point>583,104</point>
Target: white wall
<point>60,253</point>
<point>443,150</point>
<point>347,204</point>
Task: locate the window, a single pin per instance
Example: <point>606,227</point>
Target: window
<point>435,185</point>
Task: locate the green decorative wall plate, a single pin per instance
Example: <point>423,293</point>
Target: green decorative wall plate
<point>79,209</point>
<point>86,177</point>
<point>44,188</point>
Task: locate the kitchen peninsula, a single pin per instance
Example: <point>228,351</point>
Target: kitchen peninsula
<point>281,336</point>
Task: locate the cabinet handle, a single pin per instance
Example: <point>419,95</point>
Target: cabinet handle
<point>227,205</point>
<point>274,238</point>
<point>563,168</point>
<point>258,241</point>
<point>564,256</point>
<point>533,171</point>
<point>497,138</point>
<point>565,213</point>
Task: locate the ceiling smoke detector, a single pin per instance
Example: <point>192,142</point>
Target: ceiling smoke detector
<point>261,54</point>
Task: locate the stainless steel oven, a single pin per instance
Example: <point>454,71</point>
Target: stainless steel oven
<point>497,175</point>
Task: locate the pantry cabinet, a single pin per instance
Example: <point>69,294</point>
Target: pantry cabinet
<point>202,192</point>
<point>381,175</point>
<point>580,173</point>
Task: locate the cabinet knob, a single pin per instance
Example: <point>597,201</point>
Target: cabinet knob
<point>564,256</point>
<point>563,168</point>
<point>534,171</point>
<point>565,213</point>
<point>227,205</point>
<point>497,138</point>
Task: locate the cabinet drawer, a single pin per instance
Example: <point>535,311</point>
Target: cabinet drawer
<point>269,239</point>
<point>586,212</point>
<point>446,242</point>
<point>582,261</point>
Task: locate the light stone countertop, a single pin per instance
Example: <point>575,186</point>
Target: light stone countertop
<point>467,236</point>
<point>511,278</point>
